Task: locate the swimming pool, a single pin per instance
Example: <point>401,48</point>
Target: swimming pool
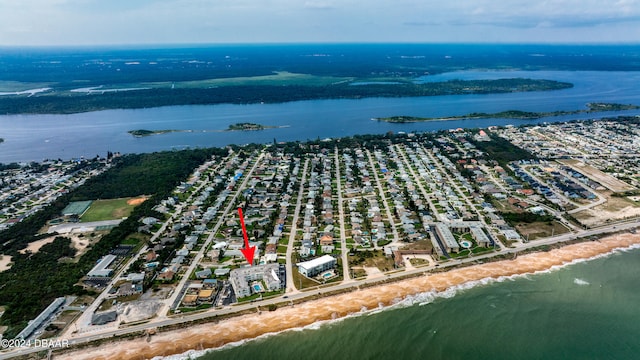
<point>466,244</point>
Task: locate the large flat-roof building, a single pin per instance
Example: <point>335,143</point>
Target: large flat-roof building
<point>243,280</point>
<point>480,237</point>
<point>101,268</point>
<point>40,319</point>
<point>447,238</point>
<point>317,265</point>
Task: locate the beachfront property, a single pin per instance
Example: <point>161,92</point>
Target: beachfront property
<point>474,228</point>
<point>316,266</point>
<point>101,268</point>
<point>256,279</point>
<point>480,237</point>
<point>446,237</point>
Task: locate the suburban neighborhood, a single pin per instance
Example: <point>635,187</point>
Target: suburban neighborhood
<point>343,212</point>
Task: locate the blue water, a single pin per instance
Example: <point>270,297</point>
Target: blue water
<point>35,137</point>
<point>587,310</point>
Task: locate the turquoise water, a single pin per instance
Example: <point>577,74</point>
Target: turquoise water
<point>587,310</point>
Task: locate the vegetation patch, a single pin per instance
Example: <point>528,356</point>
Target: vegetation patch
<point>539,229</point>
<point>371,258</point>
<point>113,209</point>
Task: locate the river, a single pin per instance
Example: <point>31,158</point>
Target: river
<point>36,137</point>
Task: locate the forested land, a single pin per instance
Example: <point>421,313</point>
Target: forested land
<point>516,114</point>
<point>248,94</point>
<point>501,150</point>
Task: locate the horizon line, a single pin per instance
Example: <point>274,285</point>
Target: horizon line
<point>297,43</point>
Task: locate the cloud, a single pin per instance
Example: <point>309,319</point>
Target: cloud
<point>421,23</point>
<point>552,13</point>
<point>47,22</point>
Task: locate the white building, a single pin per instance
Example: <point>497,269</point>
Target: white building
<point>243,279</point>
<point>314,267</point>
<point>447,238</point>
<point>100,270</point>
<point>480,237</point>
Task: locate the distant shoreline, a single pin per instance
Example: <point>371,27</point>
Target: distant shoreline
<point>514,114</point>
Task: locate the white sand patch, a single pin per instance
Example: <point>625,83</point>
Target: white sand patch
<point>5,262</point>
<point>77,242</point>
<point>29,92</point>
<point>80,244</point>
<point>101,89</point>
<point>35,246</point>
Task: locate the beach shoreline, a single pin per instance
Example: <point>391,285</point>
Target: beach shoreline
<point>245,327</point>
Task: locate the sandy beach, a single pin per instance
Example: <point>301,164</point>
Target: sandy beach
<point>251,326</point>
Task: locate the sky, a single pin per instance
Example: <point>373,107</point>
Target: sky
<point>130,22</point>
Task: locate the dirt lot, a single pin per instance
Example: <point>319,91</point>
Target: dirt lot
<point>136,201</point>
<point>60,323</point>
<point>616,208</point>
<point>138,310</point>
<point>373,258</point>
<point>594,174</point>
<point>419,245</point>
<point>161,294</point>
<point>540,229</point>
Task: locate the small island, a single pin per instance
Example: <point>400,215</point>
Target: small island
<point>233,127</point>
<point>1,140</point>
<point>515,114</point>
<point>144,132</point>
<point>247,127</point>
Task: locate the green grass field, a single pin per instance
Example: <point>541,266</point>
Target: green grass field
<point>107,210</point>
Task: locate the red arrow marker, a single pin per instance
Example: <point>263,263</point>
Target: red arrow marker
<point>247,251</point>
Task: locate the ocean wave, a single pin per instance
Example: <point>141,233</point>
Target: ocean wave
<point>581,282</point>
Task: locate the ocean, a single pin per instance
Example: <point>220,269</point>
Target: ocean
<point>586,310</point>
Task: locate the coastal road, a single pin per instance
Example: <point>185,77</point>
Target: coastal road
<point>343,234</point>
